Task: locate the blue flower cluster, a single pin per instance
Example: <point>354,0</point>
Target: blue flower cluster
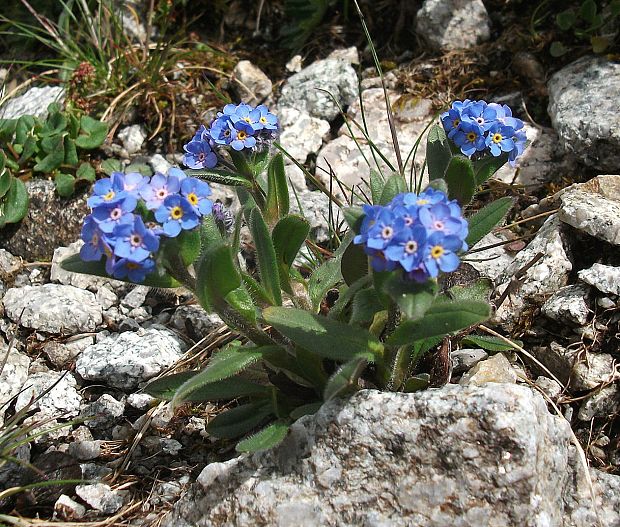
<point>131,213</point>
<point>476,126</point>
<point>420,233</point>
<point>237,126</point>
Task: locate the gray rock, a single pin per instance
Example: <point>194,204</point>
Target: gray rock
<point>466,456</point>
<point>465,359</point>
<point>605,302</point>
<point>548,275</point>
<point>583,110</point>
<point>602,403</point>
<point>490,262</point>
<point>315,208</point>
<point>85,450</point>
<point>125,360</point>
<point>100,497</point>
<point>60,353</point>
<point>132,137</point>
<point>594,207</point>
<point>606,278</point>
<point>494,369</point>
<point>105,297</point>
<point>453,24</point>
<point>136,297</point>
<point>67,509</point>
<point>301,134</point>
<point>349,55</point>
<point>551,388</point>
<point>53,308</point>
<point>573,367</point>
<point>34,102</point>
<point>9,264</point>
<point>253,86</point>
<point>140,401</point>
<point>568,305</point>
<point>12,377</point>
<point>303,91</point>
<point>63,400</point>
<point>51,222</point>
<point>103,413</point>
<point>195,319</point>
<point>159,164</point>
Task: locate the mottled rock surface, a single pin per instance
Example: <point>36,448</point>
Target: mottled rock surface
<point>132,138</point>
<point>125,360</point>
<point>583,104</point>
<point>53,308</point>
<point>51,221</point>
<point>301,134</point>
<point>12,377</point>
<point>63,400</point>
<point>34,102</point>
<point>253,86</point>
<point>466,456</point>
<point>569,305</point>
<point>453,24</point>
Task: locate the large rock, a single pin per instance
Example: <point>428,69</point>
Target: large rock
<point>311,90</point>
<point>253,86</point>
<point>593,207</point>
<point>53,308</point>
<point>606,278</point>
<point>57,391</point>
<point>125,360</point>
<point>583,106</point>
<point>34,102</point>
<point>453,24</point>
<point>462,456</point>
<point>301,134</point>
<point>12,376</point>
<point>51,221</point>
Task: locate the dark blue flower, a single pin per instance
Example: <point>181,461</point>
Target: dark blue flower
<point>265,119</point>
<point>500,139</point>
<point>440,254</point>
<point>134,241</point>
<point>439,218</point>
<point>407,247</point>
<point>519,138</point>
<point>243,136</point>
<point>176,214</point>
<point>470,138</point>
<point>222,130</point>
<point>136,272</point>
<point>199,155</point>
<point>385,227</point>
<point>480,113</point>
<point>196,192</point>
<point>109,215</point>
<point>451,121</point>
<point>93,248</point>
<point>106,190</point>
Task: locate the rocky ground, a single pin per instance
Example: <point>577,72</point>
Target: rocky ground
<point>502,444</point>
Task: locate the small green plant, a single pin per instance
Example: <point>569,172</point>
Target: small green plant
<point>14,198</point>
<point>590,21</point>
<point>51,147</point>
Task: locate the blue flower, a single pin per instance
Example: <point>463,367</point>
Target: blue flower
<point>134,241</point>
<point>519,138</point>
<point>470,138</point>
<point>136,272</point>
<point>500,139</point>
<point>117,212</point>
<point>222,130</point>
<point>440,254</point>
<point>202,134</point>
<point>106,190</point>
<point>407,247</point>
<point>379,262</point>
<point>196,192</point>
<point>93,248</point>
<point>480,113</point>
<point>385,227</point>
<point>159,188</point>
<point>132,182</point>
<point>439,218</point>
<point>451,121</point>
<point>243,136</point>
<point>265,119</point>
<point>199,155</point>
<point>176,214</point>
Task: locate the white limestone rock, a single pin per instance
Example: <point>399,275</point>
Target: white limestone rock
<point>33,102</point>
<point>63,400</point>
<point>606,278</point>
<point>101,497</point>
<point>132,138</point>
<point>568,305</point>
<point>252,85</point>
<point>301,134</point>
<point>12,377</point>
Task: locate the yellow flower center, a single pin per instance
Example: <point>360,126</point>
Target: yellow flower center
<point>132,266</point>
<point>241,135</point>
<point>422,202</point>
<point>192,198</point>
<point>471,137</point>
<point>455,123</point>
<point>109,196</point>
<point>263,120</point>
<point>247,120</point>
<point>437,251</point>
<point>176,213</point>
<point>497,138</point>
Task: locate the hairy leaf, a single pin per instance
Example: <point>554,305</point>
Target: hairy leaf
<point>487,218</point>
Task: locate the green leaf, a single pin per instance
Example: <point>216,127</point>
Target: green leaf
<point>304,17</point>
<point>440,320</point>
<point>557,49</point>
<point>277,203</point>
<point>461,179</point>
<point>365,305</point>
<point>14,204</point>
<point>242,302</point>
<point>479,291</point>
<point>438,153</point>
<point>306,409</point>
<point>256,290</point>
<point>86,172</point>
<point>220,177</point>
<point>413,299</point>
<point>55,124</point>
<point>344,379</point>
<point>487,166</point>
<point>377,183</point>
<point>354,216</point>
<point>288,236</point>
<point>140,168</point>
<point>265,256</point>
<point>565,19</point>
<point>186,244</point>
<point>489,343</point>
<point>225,364</point>
<point>92,133</point>
<point>5,182</point>
<point>323,336</point>
<point>417,383</point>
<point>346,296</point>
<point>327,275</point>
<point>394,185</point>
<point>241,164</point>
<point>111,165</point>
<point>65,184</point>
<point>217,275</point>
<point>354,263</point>
<point>420,348</point>
<point>30,148</point>
<point>210,234</point>
<point>587,11</point>
<point>599,44</point>
<point>240,420</point>
<point>7,130</point>
<point>74,126</point>
<point>268,437</point>
<point>75,264</point>
<point>23,127</point>
<point>486,219</point>
<point>2,161</point>
<point>54,159</point>
<point>166,387</point>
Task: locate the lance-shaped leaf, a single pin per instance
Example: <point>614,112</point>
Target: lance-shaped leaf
<point>277,203</point>
<point>354,216</point>
<point>441,319</point>
<point>210,234</point>
<point>241,164</point>
<point>438,152</point>
<point>240,420</point>
<point>344,379</point>
<point>5,179</point>
<point>75,264</point>
<point>217,275</point>
<point>354,264</point>
<point>377,183</point>
<point>490,343</point>
<point>327,275</point>
<point>365,305</point>
<point>288,236</point>
<point>323,336</point>
<point>265,256</point>
<point>480,291</point>
<point>487,166</point>
<point>413,298</point>
<point>306,409</point>
<point>166,387</point>
<point>222,177</point>
<point>267,438</point>
<point>394,185</point>
<point>461,179</point>
<point>241,301</point>
<point>225,364</point>
<point>14,204</point>
<point>186,245</point>
<point>483,222</point>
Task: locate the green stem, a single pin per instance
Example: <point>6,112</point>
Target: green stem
<point>179,271</point>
